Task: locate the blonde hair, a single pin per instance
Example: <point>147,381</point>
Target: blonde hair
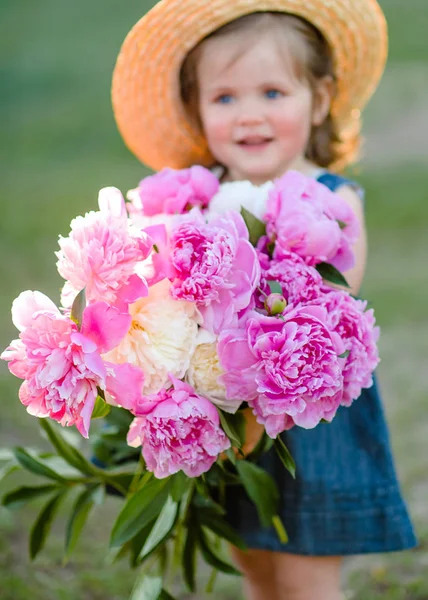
<point>313,61</point>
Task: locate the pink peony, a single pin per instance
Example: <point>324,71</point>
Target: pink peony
<point>175,192</point>
<point>299,282</point>
<point>337,209</point>
<point>287,369</point>
<point>349,318</point>
<point>62,366</point>
<point>101,255</point>
<point>178,431</point>
<point>302,216</point>
<point>215,266</point>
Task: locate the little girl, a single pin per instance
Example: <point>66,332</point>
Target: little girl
<point>253,88</point>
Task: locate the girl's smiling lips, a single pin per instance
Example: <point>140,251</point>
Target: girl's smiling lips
<point>254,142</point>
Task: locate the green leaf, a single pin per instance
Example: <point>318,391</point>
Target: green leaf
<point>341,224</point>
<point>42,525</point>
<point>231,456</point>
<point>136,544</point>
<point>189,558</point>
<point>25,494</point>
<point>147,587</point>
<point>68,452</point>
<point>256,227</point>
<point>7,469</point>
<point>229,429</point>
<point>164,595</point>
<point>101,409</point>
<point>234,427</point>
<point>140,509</point>
<point>345,354</point>
<point>208,504</point>
<point>275,287</point>
<point>77,308</point>
<point>280,529</point>
<point>221,528</point>
<point>162,528</point>
<point>36,465</point>
<point>180,483</point>
<point>211,557</point>
<point>261,488</point>
<point>285,456</point>
<point>78,518</point>
<point>331,274</point>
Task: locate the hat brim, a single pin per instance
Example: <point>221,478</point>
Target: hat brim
<point>146,90</point>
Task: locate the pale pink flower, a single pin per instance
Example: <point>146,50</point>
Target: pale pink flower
<point>287,369</point>
<point>356,326</point>
<point>62,366</point>
<point>101,254</point>
<point>175,191</point>
<point>214,266</point>
<point>302,216</point>
<point>178,431</point>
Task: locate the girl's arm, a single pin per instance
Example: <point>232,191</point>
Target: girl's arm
<point>355,275</point>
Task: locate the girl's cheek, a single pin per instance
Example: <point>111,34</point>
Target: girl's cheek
<point>217,125</point>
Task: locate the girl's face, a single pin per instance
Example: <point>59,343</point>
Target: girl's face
<point>256,112</point>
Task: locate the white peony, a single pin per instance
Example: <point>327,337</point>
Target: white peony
<point>205,370</point>
<point>161,339</point>
<point>235,194</point>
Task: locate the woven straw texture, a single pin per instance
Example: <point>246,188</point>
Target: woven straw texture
<point>146,93</point>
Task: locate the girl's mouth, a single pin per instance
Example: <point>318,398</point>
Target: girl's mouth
<point>254,143</point>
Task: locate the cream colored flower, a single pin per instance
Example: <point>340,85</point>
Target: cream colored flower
<point>236,194</point>
<point>161,339</point>
<point>205,370</point>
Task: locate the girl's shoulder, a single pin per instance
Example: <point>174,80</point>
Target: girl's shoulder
<point>334,182</point>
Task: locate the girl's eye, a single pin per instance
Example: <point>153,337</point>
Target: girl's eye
<point>224,99</point>
<point>273,94</point>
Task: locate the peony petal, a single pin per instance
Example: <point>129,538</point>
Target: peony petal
<point>135,288</point>
<point>111,201</point>
<point>27,304</point>
<point>105,325</point>
<point>125,384</point>
<point>84,342</point>
<point>83,423</point>
<point>135,437</point>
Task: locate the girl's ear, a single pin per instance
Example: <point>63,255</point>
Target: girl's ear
<point>323,96</point>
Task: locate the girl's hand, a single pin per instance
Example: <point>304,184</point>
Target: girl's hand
<point>253,431</point>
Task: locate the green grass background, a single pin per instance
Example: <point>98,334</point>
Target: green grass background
<point>59,145</point>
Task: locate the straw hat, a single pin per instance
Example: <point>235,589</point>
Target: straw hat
<point>146,91</point>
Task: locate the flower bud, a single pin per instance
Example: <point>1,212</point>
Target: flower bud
<point>275,304</point>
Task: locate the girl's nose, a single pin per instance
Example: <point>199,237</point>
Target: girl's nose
<point>249,114</point>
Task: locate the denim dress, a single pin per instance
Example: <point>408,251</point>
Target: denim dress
<point>345,498</point>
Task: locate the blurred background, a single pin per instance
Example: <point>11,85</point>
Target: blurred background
<point>60,145</point>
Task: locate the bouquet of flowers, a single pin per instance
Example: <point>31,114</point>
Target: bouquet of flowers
<point>199,322</point>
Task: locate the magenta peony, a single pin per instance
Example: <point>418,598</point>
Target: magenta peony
<point>175,191</point>
<point>101,254</point>
<point>305,217</point>
<point>62,366</point>
<point>214,266</point>
<point>287,368</point>
<point>299,282</point>
<point>178,431</point>
<point>356,326</point>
